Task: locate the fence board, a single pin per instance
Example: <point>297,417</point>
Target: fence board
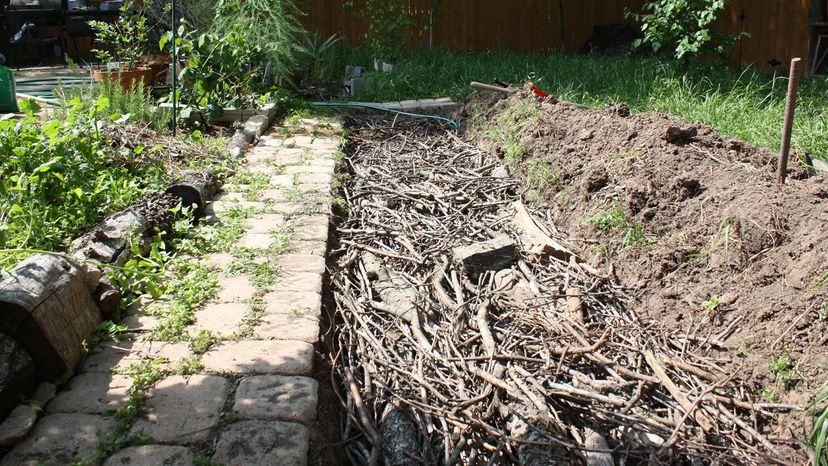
<point>779,28</point>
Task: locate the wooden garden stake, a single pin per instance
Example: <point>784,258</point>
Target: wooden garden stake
<point>793,83</point>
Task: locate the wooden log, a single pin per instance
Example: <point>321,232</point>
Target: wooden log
<point>535,239</point>
<point>16,374</point>
<point>195,189</point>
<point>598,453</point>
<point>46,306</point>
<point>105,242</point>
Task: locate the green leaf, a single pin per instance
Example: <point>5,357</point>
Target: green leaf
<point>29,107</point>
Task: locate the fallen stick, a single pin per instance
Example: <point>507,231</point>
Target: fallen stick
<point>676,392</point>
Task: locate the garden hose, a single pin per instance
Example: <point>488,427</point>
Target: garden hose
<point>453,123</point>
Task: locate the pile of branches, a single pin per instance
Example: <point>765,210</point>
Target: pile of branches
<point>526,357</point>
<point>172,151</point>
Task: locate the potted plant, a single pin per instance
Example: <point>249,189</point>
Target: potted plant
<point>126,39</point>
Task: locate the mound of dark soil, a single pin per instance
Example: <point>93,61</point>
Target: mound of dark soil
<point>693,224</point>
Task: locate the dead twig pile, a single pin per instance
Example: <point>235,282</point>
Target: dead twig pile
<point>466,339</point>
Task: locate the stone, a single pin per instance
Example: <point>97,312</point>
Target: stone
<point>62,439</point>
<point>108,357</point>
<point>288,327</point>
<point>183,409</point>
<point>298,281</point>
<point>500,172</point>
<point>536,240</point>
<point>295,208</point>
<point>229,198</point>
<point>16,374</point>
<point>322,179</point>
<point>92,393</point>
<point>301,263</point>
<point>313,248</point>
<point>311,228</point>
<point>44,394</point>
<point>260,357</point>
<point>264,224</point>
<point>256,241</point>
<point>235,288</point>
<point>15,427</point>
<point>277,398</point>
<point>151,455</point>
<point>218,260</point>
<point>284,181</point>
<point>217,211</point>
<point>325,169</point>
<point>255,126</point>
<point>275,195</point>
<point>263,442</point>
<point>495,254</point>
<point>140,323</point>
<point>297,304</point>
<point>222,319</point>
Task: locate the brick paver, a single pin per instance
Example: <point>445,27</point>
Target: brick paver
<point>247,398</point>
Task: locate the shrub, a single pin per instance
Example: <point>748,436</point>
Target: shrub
<point>683,28</point>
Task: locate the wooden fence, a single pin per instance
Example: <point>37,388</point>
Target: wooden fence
<point>779,28</point>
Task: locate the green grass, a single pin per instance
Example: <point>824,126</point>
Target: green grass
<point>818,437</point>
<point>748,105</point>
<point>615,219</point>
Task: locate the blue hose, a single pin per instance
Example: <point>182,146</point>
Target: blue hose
<point>383,109</point>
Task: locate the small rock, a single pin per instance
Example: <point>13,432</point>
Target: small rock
<point>500,172</point>
<point>586,135</point>
<point>729,298</point>
<point>17,425</point>
<point>674,134</point>
<point>44,394</point>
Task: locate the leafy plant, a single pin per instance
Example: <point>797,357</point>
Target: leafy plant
<point>782,367</point>
<point>683,28</point>
<point>58,177</point>
<point>389,26</point>
<point>616,219</point>
<point>713,303</point>
<point>818,438</point>
<point>126,38</point>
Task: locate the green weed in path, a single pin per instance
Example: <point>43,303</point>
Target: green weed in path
<point>748,105</point>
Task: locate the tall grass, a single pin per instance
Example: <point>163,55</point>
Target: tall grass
<point>745,104</point>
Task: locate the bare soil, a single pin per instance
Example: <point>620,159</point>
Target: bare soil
<point>725,255</point>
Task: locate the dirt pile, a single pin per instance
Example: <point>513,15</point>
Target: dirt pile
<point>692,223</point>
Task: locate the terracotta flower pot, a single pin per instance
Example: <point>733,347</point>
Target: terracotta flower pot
<point>127,78</point>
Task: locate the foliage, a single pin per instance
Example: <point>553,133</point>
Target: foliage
<point>782,367</point>
<point>135,105</point>
<point>616,219</point>
<point>713,302</point>
<point>126,38</point>
<point>683,28</point>
<point>320,63</point>
<point>222,69</point>
<point>271,27</point>
<point>58,177</point>
<point>389,26</point>
<point>818,438</point>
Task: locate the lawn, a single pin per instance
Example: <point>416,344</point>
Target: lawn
<point>746,104</point>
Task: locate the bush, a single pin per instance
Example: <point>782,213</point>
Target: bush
<point>683,28</point>
<point>59,177</point>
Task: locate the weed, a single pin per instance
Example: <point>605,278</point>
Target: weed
<point>144,375</point>
<point>194,285</point>
<point>188,366</point>
<point>818,436</point>
<point>822,313</point>
<point>251,319</point>
<point>541,178</point>
<point>713,303</point>
<point>263,275</point>
<point>782,367</point>
<point>819,283</point>
<point>506,132</point>
<point>255,183</point>
<point>202,342</point>
<point>616,219</point>
<point>108,331</point>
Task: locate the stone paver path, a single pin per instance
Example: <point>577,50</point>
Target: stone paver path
<point>234,387</point>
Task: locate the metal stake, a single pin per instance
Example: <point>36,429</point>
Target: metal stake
<point>174,74</point>
<point>790,108</point>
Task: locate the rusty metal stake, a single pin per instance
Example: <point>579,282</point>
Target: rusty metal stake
<point>790,108</point>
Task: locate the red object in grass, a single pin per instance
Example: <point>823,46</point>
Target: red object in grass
<point>539,92</point>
